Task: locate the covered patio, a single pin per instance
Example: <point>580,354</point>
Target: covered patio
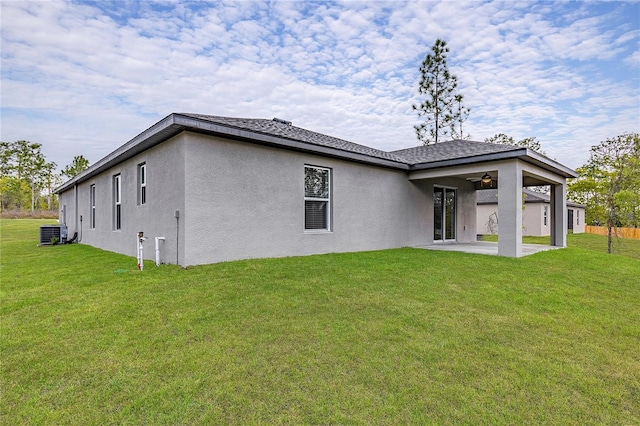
<point>486,247</point>
<point>455,170</point>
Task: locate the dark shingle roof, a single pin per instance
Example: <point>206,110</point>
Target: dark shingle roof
<point>283,134</point>
<point>283,129</point>
<point>451,150</point>
<point>490,196</point>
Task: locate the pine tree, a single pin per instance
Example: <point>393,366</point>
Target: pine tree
<point>78,165</point>
<point>461,114</point>
<point>442,108</point>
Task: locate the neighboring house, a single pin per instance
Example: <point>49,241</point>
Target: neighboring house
<point>220,189</point>
<point>535,217</point>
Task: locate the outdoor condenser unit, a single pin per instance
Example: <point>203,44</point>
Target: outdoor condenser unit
<point>51,232</point>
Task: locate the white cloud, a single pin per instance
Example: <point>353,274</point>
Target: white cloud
<point>84,78</point>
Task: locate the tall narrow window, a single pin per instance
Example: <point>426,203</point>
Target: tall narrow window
<point>317,198</point>
<point>117,202</point>
<point>545,215</point>
<point>142,184</point>
<point>92,206</point>
<point>577,217</point>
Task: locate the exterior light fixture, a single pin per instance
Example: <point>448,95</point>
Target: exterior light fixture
<point>486,181</point>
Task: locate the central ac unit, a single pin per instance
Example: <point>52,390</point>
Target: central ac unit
<point>53,234</point>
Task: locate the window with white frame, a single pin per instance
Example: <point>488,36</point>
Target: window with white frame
<point>92,206</point>
<point>577,217</point>
<point>142,184</point>
<point>545,215</point>
<point>317,198</point>
<point>117,202</point>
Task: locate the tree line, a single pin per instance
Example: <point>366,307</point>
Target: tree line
<point>27,179</point>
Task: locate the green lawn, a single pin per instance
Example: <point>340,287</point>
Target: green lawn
<point>403,336</point>
<point>622,246</point>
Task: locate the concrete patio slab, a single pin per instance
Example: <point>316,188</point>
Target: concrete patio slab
<point>485,247</point>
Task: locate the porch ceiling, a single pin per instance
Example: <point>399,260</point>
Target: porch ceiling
<point>532,175</point>
<point>527,180</point>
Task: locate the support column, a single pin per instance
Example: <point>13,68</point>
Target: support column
<point>510,209</point>
<point>558,199</point>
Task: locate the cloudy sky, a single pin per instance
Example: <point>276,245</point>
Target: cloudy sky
<point>85,77</point>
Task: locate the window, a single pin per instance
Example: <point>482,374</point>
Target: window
<point>577,217</point>
<point>142,184</point>
<point>317,198</point>
<point>92,206</point>
<point>117,202</point>
<point>444,213</point>
<point>545,215</point>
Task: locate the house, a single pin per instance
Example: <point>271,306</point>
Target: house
<point>535,215</point>
<point>221,188</point>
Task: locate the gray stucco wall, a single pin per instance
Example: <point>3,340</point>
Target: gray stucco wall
<point>165,195</point>
<point>483,215</point>
<point>246,201</point>
<point>578,219</point>
<point>465,206</point>
<point>239,200</point>
<point>532,219</point>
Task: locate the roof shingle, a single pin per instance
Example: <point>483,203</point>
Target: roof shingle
<point>282,133</point>
<point>284,130</point>
<point>451,150</point>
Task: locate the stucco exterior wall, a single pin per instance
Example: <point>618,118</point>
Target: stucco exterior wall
<point>465,206</point>
<point>247,201</point>
<point>532,219</point>
<point>238,200</point>
<point>486,219</point>
<point>165,195</point>
<point>578,219</point>
<point>67,211</point>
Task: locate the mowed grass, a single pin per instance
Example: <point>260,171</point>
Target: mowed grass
<point>621,246</point>
<point>403,336</point>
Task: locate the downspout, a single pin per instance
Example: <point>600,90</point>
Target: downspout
<point>177,216</point>
<point>75,202</point>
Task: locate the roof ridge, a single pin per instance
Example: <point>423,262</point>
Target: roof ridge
<point>462,141</point>
<point>452,149</point>
<point>288,131</point>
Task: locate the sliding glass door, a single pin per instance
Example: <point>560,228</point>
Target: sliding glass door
<point>444,213</point>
